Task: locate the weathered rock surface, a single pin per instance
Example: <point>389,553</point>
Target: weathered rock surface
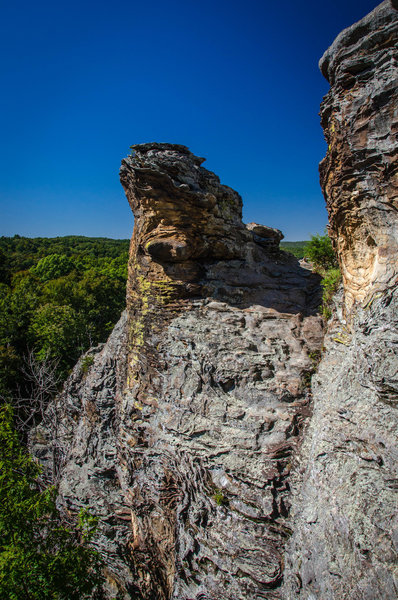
<point>181,436</point>
<point>359,175</point>
<point>220,333</point>
<point>345,524</point>
<point>83,442</point>
<point>345,509</point>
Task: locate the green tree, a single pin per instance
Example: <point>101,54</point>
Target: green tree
<point>53,266</point>
<point>16,308</point>
<point>320,252</point>
<point>58,297</point>
<point>10,364</point>
<point>58,333</point>
<point>40,558</point>
<point>61,290</point>
<point>4,271</point>
<point>295,248</point>
<point>101,299</point>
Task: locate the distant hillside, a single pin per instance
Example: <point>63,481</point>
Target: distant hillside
<point>20,253</point>
<point>296,248</point>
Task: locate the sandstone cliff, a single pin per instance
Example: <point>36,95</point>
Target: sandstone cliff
<point>345,522</point>
<point>359,173</point>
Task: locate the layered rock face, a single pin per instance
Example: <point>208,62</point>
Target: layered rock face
<point>220,336</point>
<point>359,175</point>
<point>345,517</point>
<point>182,435</point>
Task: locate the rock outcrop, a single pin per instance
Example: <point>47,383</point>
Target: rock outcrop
<point>182,435</point>
<point>194,421</point>
<point>345,523</point>
<point>359,174</point>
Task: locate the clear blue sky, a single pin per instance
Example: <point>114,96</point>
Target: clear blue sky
<point>236,81</point>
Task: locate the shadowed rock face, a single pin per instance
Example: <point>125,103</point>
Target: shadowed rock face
<point>359,175</point>
<point>345,518</point>
<point>181,437</point>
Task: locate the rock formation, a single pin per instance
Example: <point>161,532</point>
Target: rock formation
<point>182,435</point>
<point>194,421</point>
<point>345,522</point>
<point>359,174</point>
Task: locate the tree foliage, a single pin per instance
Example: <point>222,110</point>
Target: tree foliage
<point>330,284</point>
<point>320,252</point>
<point>57,332</point>
<point>295,248</point>
<point>53,266</point>
<point>58,297</point>
<point>40,557</point>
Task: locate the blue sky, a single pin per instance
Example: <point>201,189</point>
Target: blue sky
<point>236,81</point>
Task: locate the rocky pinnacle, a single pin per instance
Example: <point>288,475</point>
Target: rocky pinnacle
<point>221,328</point>
<point>359,175</point>
<point>182,435</point>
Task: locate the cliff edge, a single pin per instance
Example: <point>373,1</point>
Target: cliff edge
<point>359,172</point>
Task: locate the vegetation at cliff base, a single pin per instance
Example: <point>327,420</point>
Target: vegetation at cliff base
<point>58,297</point>
<point>320,252</point>
<point>40,557</point>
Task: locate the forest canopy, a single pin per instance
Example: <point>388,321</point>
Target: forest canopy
<point>58,297</point>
